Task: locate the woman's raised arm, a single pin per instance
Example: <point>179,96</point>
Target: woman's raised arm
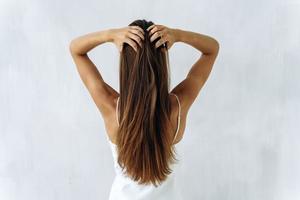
<point>189,88</point>
<point>102,93</point>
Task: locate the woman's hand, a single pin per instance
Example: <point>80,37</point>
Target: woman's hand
<point>131,35</point>
<point>167,35</point>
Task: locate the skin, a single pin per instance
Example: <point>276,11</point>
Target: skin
<point>105,96</point>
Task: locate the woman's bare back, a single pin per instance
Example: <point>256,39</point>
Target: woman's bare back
<point>111,124</point>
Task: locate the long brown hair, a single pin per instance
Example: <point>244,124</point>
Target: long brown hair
<point>144,143</point>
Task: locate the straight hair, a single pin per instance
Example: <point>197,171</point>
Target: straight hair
<point>144,140</point>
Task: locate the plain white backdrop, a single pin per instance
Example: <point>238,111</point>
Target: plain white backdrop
<point>242,136</point>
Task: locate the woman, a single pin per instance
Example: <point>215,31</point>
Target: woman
<point>144,121</point>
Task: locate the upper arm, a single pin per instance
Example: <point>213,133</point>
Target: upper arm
<point>189,88</point>
<point>102,94</point>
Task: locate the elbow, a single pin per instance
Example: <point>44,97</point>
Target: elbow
<point>72,47</point>
<point>217,46</point>
<point>75,48</point>
<point>214,47</point>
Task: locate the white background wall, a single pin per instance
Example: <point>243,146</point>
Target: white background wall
<point>242,136</point>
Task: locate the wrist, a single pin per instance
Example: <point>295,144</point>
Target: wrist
<point>109,35</point>
<point>177,34</point>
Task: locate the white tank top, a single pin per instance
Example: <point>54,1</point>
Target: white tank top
<point>124,188</point>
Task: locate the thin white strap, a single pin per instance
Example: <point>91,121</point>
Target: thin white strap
<point>117,111</point>
<point>178,121</point>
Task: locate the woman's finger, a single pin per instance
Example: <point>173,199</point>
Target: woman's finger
<point>135,31</point>
<point>159,43</point>
<point>156,35</point>
<point>141,31</point>
<point>131,43</point>
<point>136,38</point>
<point>155,29</point>
<point>150,27</point>
<point>154,25</point>
<point>139,28</point>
